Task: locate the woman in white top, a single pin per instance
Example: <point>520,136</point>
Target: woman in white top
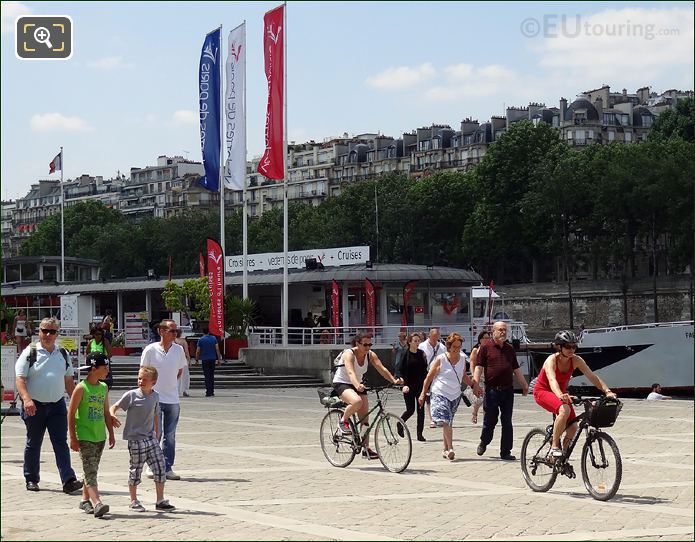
<point>445,375</point>
<point>22,329</point>
<point>347,383</point>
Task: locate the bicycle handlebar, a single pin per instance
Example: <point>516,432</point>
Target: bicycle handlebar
<point>578,400</point>
<point>383,387</point>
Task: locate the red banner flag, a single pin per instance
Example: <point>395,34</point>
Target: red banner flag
<point>407,290</point>
<point>272,164</point>
<point>370,296</point>
<point>201,264</point>
<point>335,305</point>
<point>216,287</point>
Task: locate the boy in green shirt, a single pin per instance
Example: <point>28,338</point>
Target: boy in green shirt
<point>88,419</point>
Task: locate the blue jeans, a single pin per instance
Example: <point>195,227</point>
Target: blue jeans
<point>54,417</point>
<point>498,404</point>
<point>168,420</point>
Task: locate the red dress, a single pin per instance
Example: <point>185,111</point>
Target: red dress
<point>545,396</point>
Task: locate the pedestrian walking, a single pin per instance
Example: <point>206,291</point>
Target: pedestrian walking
<point>21,327</point>
<point>141,430</point>
<point>482,337</point>
<point>44,374</point>
<point>99,343</point>
<point>208,350</point>
<point>432,348</point>
<point>413,370</point>
<point>497,361</point>
<point>88,421</point>
<point>398,349</point>
<point>185,380</point>
<point>445,375</point>
<point>169,359</point>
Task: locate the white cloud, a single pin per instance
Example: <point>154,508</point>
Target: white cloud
<point>10,11</point>
<point>401,78</point>
<point>108,63</point>
<point>467,81</point>
<point>633,42</point>
<point>185,117</point>
<point>57,122</point>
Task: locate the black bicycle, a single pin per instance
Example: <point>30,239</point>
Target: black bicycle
<point>602,467</point>
<point>391,436</point>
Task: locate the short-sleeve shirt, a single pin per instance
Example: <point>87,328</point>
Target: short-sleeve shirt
<point>207,345</point>
<point>140,412</point>
<point>499,364</point>
<point>46,378</point>
<point>431,352</point>
<point>653,396</point>
<point>168,365</point>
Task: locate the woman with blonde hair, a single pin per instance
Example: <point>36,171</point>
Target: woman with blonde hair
<point>445,376</point>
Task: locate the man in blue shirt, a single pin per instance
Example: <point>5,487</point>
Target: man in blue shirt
<point>42,379</point>
<point>208,351</point>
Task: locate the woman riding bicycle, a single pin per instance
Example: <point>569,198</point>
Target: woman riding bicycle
<point>550,390</point>
<point>347,383</point>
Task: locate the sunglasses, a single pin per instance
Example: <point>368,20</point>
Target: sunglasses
<point>169,330</point>
<point>48,331</point>
<point>368,345</point>
<point>570,346</point>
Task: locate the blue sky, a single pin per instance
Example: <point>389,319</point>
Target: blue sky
<point>129,92</point>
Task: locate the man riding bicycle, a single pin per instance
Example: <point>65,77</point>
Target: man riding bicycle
<point>550,390</point>
<point>347,383</point>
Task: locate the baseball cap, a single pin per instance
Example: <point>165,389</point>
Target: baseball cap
<point>94,360</point>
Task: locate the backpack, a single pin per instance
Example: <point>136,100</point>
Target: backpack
<point>32,356</point>
<point>338,361</point>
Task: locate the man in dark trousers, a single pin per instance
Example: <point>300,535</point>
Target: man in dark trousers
<point>208,351</point>
<point>498,359</point>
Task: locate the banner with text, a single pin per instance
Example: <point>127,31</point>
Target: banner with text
<point>272,164</point>
<point>209,101</point>
<point>216,287</point>
<point>235,114</point>
<point>370,295</point>
<point>274,261</point>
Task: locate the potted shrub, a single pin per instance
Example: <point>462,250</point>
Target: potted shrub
<point>118,345</point>
<point>239,315</point>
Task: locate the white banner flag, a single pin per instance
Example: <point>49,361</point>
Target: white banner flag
<point>235,110</point>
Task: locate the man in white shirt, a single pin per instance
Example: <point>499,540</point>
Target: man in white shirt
<point>432,348</point>
<point>655,395</point>
<point>169,359</point>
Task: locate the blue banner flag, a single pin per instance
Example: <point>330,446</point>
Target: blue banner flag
<point>209,98</point>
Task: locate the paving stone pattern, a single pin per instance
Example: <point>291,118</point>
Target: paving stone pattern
<point>252,468</point>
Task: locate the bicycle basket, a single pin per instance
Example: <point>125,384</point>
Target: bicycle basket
<point>327,396</point>
<point>603,412</point>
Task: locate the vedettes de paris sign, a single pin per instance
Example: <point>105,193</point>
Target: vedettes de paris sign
<point>274,261</point>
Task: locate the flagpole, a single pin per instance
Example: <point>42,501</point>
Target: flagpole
<point>62,221</point>
<point>245,285</point>
<point>223,147</point>
<point>285,289</point>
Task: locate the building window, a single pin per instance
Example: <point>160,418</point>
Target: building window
<point>628,137</point>
<point>611,136</point>
<point>647,120</point>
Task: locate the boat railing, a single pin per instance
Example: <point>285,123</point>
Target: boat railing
<point>614,329</point>
<point>382,336</point>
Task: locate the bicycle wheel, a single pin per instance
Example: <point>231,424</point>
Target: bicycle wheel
<point>602,467</point>
<point>337,448</point>
<point>394,450</point>
<point>538,471</point>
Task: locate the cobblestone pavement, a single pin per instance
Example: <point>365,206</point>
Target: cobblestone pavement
<point>252,468</point>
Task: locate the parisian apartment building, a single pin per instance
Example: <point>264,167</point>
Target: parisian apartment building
<point>318,170</point>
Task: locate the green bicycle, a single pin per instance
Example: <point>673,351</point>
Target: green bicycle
<point>391,436</point>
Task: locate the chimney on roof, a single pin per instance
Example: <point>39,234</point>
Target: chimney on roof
<point>563,109</point>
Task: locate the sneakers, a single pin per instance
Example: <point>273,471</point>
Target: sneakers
<point>149,473</point>
<point>481,449</point>
<point>171,475</point>
<point>344,427</point>
<point>433,425</point>
<point>370,454</point>
<point>508,457</point>
<point>556,452</point>
<point>135,506</point>
<point>71,486</point>
<point>100,509</point>
<point>87,507</point>
<point>164,505</point>
<point>32,486</point>
<point>445,454</point>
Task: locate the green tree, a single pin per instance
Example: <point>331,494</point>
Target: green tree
<point>678,122</point>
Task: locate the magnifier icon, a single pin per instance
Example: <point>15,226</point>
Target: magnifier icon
<point>42,35</point>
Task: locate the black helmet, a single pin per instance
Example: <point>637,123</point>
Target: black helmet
<point>565,337</point>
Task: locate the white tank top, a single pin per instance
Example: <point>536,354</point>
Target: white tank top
<point>341,375</point>
<point>447,381</point>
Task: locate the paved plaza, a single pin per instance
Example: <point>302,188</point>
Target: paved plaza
<point>252,468</point>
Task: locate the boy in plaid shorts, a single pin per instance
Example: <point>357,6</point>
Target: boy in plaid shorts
<point>142,433</point>
<point>88,421</point>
